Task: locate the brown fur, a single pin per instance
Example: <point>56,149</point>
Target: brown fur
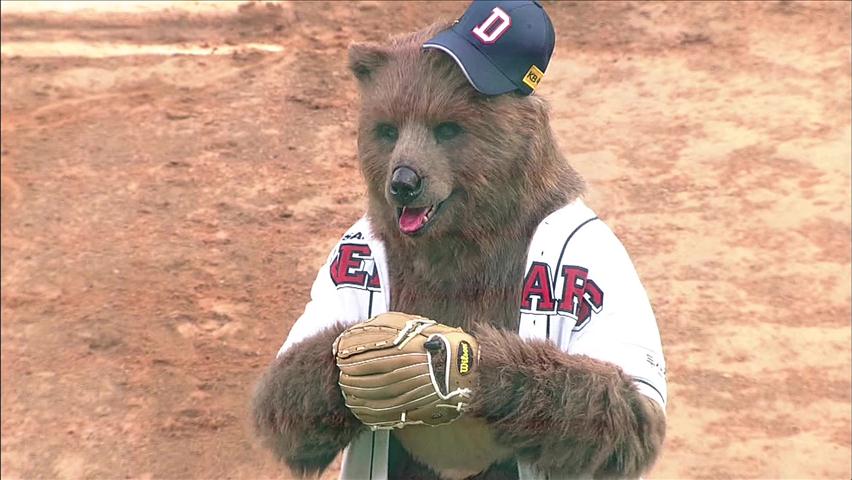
<point>567,414</point>
<point>570,415</point>
<point>298,409</point>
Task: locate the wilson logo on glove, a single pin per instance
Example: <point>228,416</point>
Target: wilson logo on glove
<point>465,361</point>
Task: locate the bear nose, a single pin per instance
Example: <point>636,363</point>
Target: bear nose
<point>405,185</point>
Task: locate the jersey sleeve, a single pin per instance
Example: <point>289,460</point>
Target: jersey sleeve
<point>347,289</point>
<point>614,321</point>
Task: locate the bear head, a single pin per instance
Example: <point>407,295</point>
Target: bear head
<point>443,160</point>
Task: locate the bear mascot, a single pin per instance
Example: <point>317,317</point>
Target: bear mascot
<point>479,321</point>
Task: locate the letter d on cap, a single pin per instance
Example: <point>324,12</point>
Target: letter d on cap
<point>497,15</point>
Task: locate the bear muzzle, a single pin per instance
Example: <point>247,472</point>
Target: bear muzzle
<point>405,185</point>
<point>417,201</point>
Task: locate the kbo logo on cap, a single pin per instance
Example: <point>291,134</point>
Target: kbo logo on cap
<point>500,46</point>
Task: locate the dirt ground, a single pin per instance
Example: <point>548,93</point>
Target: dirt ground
<point>172,178</point>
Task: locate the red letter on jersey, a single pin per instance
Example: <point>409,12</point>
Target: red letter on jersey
<point>373,282</point>
<point>580,296</point>
<point>346,269</point>
<point>537,284</point>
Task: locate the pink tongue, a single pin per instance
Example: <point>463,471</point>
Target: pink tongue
<point>412,219</point>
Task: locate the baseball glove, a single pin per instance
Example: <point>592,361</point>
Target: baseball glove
<point>398,369</point>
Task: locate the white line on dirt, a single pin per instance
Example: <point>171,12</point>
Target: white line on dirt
<point>137,6</point>
<point>108,49</point>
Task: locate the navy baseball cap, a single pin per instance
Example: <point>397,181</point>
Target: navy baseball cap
<point>501,46</point>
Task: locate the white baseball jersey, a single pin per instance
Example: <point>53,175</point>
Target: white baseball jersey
<point>580,291</point>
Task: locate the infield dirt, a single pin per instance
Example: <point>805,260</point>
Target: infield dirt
<point>172,178</point>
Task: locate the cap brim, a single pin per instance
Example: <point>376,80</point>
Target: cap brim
<point>480,72</point>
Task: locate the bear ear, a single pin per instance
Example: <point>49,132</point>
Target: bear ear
<point>365,59</point>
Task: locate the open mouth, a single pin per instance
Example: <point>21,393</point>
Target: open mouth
<point>413,220</point>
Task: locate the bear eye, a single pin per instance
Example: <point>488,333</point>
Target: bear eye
<point>386,131</point>
<point>447,131</point>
